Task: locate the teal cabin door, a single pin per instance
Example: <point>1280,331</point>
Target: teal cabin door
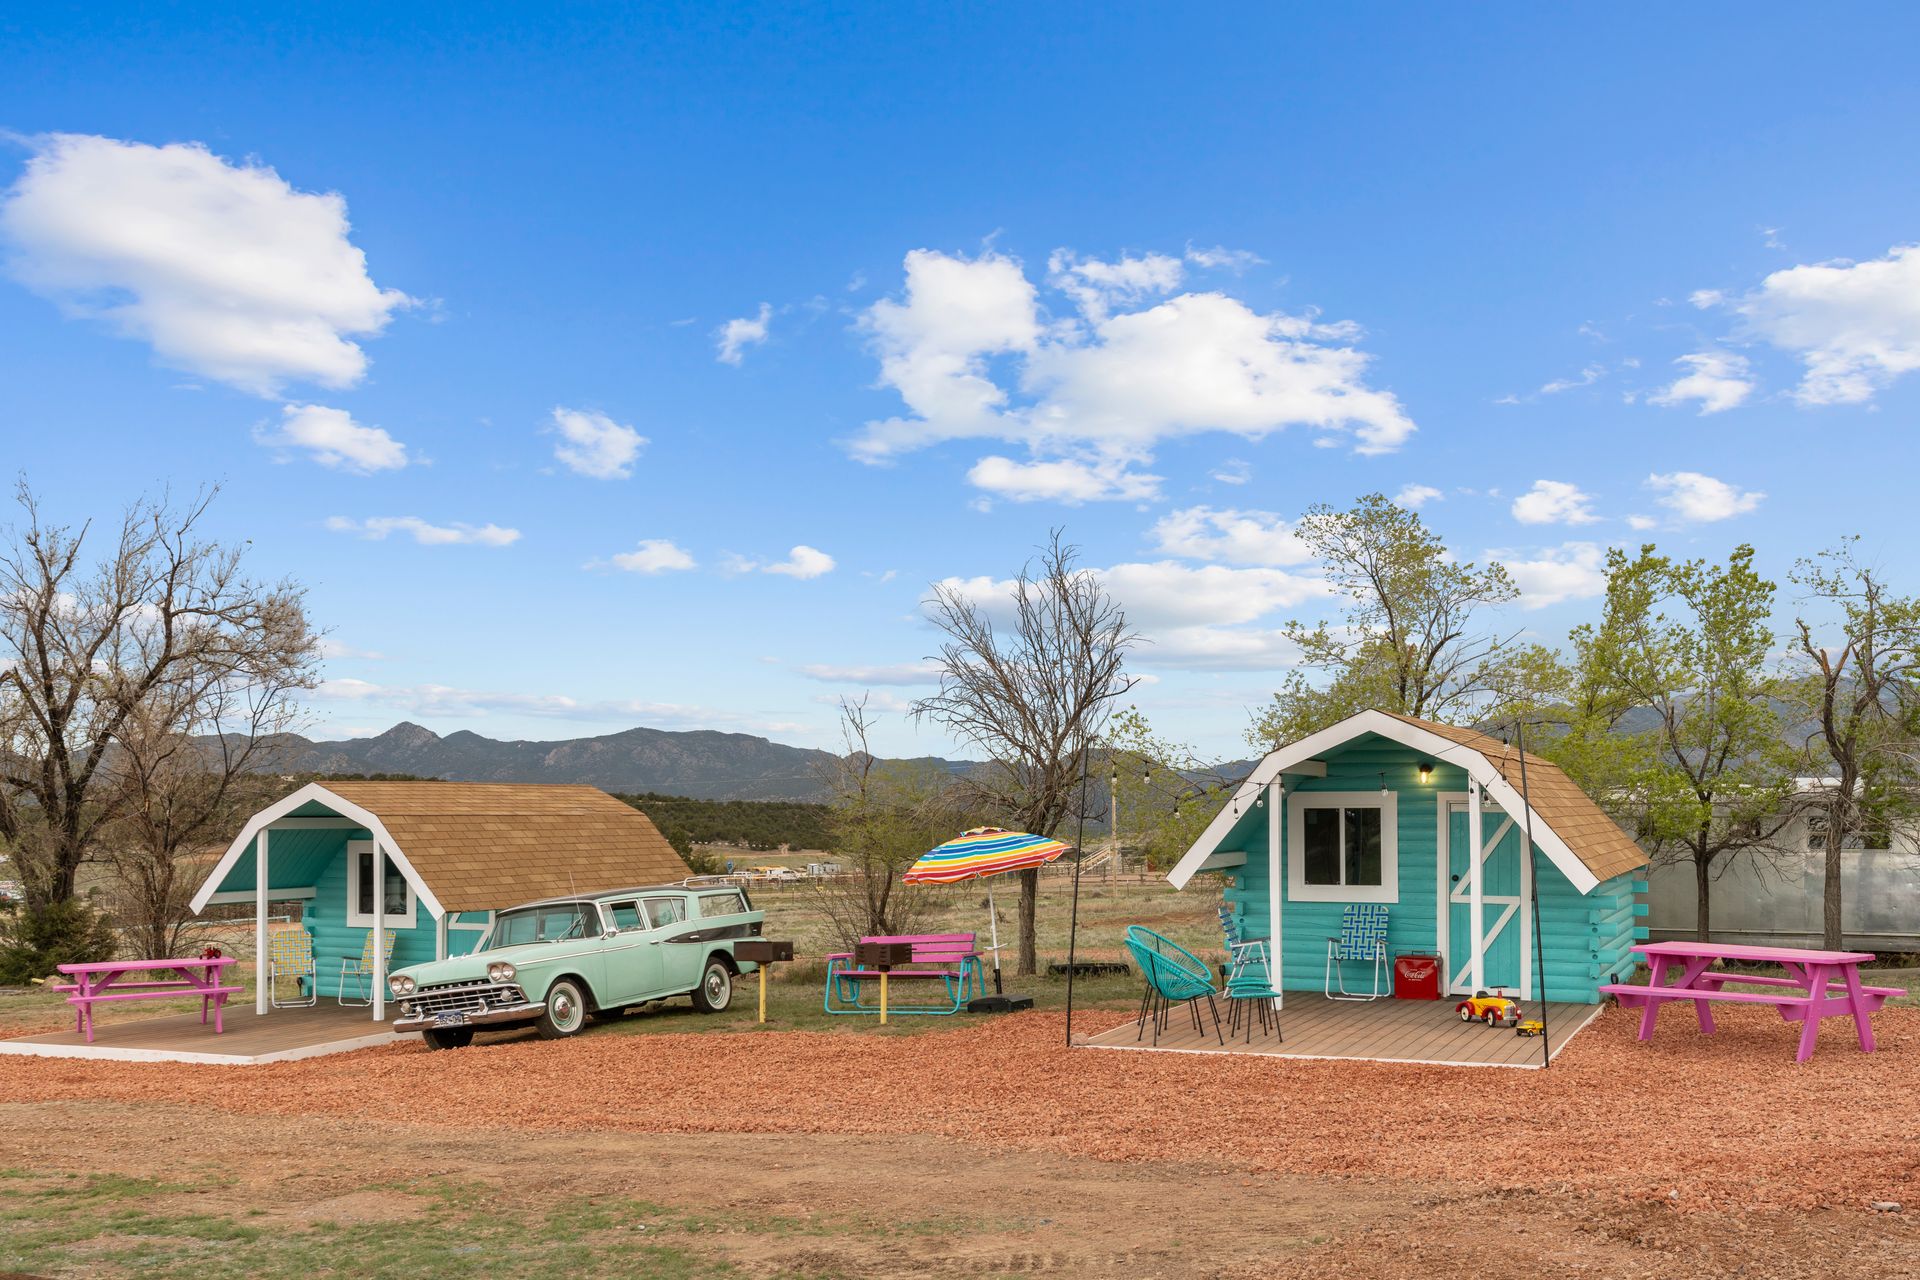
<point>1501,897</point>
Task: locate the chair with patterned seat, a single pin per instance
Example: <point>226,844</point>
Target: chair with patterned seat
<point>290,958</point>
<point>360,971</point>
<point>1362,940</point>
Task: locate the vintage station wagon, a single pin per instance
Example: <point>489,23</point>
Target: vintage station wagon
<point>552,964</point>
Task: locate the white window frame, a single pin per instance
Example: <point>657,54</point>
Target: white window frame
<point>1298,890</point>
<point>358,919</point>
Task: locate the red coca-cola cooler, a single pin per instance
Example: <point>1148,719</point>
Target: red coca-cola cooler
<point>1416,977</point>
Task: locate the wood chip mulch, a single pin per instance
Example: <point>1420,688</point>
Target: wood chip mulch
<point>1697,1122</point>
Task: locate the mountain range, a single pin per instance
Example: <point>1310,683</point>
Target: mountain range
<point>702,763</point>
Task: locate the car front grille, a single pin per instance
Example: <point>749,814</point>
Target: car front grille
<point>462,997</point>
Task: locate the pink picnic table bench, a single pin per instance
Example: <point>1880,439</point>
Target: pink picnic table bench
<point>110,980</point>
<point>947,958</point>
<point>1819,984</point>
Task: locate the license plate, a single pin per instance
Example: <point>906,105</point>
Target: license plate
<point>449,1019</point>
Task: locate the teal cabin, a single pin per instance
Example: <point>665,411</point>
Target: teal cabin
<point>431,861</point>
<point>1386,811</point>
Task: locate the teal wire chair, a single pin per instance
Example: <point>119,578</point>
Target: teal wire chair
<point>1174,975</point>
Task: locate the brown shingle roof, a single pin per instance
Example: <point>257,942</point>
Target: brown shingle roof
<point>1595,839</point>
<point>481,846</point>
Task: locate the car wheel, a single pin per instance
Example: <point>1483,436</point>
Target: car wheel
<point>1466,1014</point>
<point>715,991</point>
<point>450,1038</point>
<point>566,1011</point>
<point>1491,1018</point>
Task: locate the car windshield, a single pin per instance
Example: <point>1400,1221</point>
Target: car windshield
<point>542,924</point>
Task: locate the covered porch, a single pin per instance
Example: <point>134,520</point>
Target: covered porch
<point>1408,1031</point>
<point>288,1036</point>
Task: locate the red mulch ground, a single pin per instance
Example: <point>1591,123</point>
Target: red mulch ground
<point>1729,1120</point>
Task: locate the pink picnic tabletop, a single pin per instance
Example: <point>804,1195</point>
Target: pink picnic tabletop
<point>124,966</point>
<point>1743,951</point>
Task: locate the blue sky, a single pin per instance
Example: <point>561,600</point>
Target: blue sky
<point>444,305</point>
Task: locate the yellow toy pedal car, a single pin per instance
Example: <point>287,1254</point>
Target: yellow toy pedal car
<point>1531,1027</point>
<point>1495,1011</point>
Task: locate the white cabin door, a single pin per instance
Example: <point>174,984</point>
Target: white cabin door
<point>1502,895</point>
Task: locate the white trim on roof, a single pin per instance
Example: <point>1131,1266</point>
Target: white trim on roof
<point>1287,758</point>
<point>282,810</point>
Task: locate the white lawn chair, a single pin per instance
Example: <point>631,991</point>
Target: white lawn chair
<point>360,971</point>
<point>290,956</point>
<point>1363,939</point>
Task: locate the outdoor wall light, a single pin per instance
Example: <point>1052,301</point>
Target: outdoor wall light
<point>1426,771</point>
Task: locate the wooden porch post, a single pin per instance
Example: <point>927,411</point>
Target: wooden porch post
<point>1276,798</point>
<point>440,937</point>
<point>379,933</point>
<point>1476,882</point>
<point>260,989</point>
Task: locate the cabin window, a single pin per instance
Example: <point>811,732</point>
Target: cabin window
<point>1342,847</point>
<point>399,894</point>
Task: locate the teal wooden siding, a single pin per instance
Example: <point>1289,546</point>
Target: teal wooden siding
<point>1584,939</point>
<point>334,939</point>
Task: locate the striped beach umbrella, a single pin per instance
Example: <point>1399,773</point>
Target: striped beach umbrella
<point>978,854</point>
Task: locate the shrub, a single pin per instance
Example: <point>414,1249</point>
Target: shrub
<point>36,941</point>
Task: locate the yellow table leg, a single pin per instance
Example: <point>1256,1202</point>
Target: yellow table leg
<point>883,997</point>
<point>763,993</point>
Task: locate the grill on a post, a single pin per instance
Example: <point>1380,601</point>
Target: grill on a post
<point>882,956</point>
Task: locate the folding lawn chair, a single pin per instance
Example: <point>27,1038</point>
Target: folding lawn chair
<point>1244,955</point>
<point>290,955</point>
<point>360,971</point>
<point>1363,939</point>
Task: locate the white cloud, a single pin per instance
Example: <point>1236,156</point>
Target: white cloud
<point>1641,523</point>
<point>1716,379</point>
<point>1234,471</point>
<point>1572,571</point>
<point>1190,617</point>
<point>1235,260</point>
<point>970,351</point>
<point>435,700</point>
<point>1554,502</point>
<point>1063,480</point>
<point>1415,496</point>
<point>1855,326</point>
<point>378,528</point>
<point>332,438</point>
<point>225,270</point>
<point>736,335</point>
<point>1234,537</point>
<point>654,555</point>
<point>592,444</point>
<point>801,562</point>
<point>899,673</point>
<point>1701,499</point>
<point>1587,377</point>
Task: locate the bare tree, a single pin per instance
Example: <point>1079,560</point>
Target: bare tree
<point>1032,695</point>
<point>1860,696</point>
<point>885,815</point>
<point>189,764</point>
<point>96,657</point>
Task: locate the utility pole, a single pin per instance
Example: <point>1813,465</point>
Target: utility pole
<point>1113,824</point>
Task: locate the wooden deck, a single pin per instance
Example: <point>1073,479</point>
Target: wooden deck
<point>1419,1031</point>
<point>282,1035</point>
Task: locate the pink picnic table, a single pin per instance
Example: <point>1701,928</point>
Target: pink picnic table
<point>112,980</point>
<point>1817,985</point>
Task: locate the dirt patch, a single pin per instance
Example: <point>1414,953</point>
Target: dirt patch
<point>892,1206</point>
<point>1686,1121</point>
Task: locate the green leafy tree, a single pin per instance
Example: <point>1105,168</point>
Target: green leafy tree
<point>1855,686</point>
<point>1672,722</point>
<point>1410,638</point>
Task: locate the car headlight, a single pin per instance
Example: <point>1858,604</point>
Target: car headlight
<point>501,971</point>
<point>400,985</point>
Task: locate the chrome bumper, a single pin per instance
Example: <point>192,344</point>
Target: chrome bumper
<point>475,1018</point>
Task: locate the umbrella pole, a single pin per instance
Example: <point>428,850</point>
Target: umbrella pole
<point>993,924</point>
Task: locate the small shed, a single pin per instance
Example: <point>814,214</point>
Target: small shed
<point>430,860</point>
<point>1389,809</point>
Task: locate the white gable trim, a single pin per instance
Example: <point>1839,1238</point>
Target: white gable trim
<point>1314,745</point>
<point>280,810</point>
